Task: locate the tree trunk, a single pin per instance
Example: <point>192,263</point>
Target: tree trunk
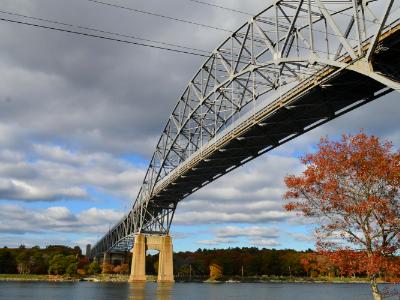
<point>375,290</point>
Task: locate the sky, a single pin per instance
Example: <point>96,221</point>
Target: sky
<point>80,118</point>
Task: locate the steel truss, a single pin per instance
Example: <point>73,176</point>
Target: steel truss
<point>255,92</point>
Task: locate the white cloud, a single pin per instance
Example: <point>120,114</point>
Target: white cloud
<point>57,174</point>
<point>217,241</point>
<point>303,237</point>
<point>12,189</point>
<point>207,217</point>
<point>252,194</point>
<point>15,219</point>
<point>265,243</point>
<point>254,231</point>
<point>254,235</point>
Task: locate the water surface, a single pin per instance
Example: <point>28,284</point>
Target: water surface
<point>183,291</point>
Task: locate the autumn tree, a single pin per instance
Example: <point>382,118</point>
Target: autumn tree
<point>121,269</point>
<point>107,268</point>
<point>351,188</point>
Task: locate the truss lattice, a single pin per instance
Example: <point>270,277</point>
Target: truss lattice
<point>290,68</point>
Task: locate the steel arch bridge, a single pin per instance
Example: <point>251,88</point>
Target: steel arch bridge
<point>294,66</point>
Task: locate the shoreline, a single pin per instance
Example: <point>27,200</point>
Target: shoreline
<point>151,278</point>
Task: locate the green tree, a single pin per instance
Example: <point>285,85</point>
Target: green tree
<point>71,269</point>
<point>38,264</point>
<point>59,264</point>
<point>23,262</point>
<point>8,265</point>
<point>94,268</point>
<point>78,250</point>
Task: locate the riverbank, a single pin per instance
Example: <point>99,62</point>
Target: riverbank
<point>152,278</point>
<point>277,279</point>
<point>32,277</point>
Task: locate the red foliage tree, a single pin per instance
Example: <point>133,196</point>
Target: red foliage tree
<point>346,261</point>
<point>352,188</point>
<point>307,263</point>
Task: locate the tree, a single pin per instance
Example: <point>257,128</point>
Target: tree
<point>121,269</point>
<point>107,268</point>
<point>83,262</point>
<point>37,262</point>
<point>23,262</point>
<point>72,269</point>
<point>8,265</point>
<point>351,188</point>
<point>94,268</point>
<point>78,250</point>
<point>59,264</point>
<point>216,272</point>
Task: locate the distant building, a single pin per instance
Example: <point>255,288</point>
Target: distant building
<point>88,249</point>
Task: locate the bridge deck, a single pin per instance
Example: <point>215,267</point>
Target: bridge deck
<point>322,99</point>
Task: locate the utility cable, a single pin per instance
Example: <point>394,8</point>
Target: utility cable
<point>158,15</point>
<point>143,39</point>
<point>222,7</point>
<point>102,31</point>
<point>102,37</point>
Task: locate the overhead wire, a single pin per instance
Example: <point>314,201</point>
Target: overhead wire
<point>101,37</point>
<point>158,15</point>
<point>181,20</point>
<point>222,7</point>
<point>144,39</point>
<point>102,31</point>
<point>206,53</point>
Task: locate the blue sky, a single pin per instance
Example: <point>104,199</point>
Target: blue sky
<point>79,120</point>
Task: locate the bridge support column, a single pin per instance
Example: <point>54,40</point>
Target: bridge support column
<point>165,264</point>
<point>138,269</point>
<point>105,258</point>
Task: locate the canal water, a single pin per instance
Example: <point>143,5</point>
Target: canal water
<point>183,291</point>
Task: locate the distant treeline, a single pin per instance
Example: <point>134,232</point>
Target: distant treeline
<point>235,262</point>
<point>53,260</point>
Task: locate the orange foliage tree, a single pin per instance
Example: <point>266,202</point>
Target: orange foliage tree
<point>351,188</point>
<point>107,268</point>
<point>121,269</point>
<point>317,264</point>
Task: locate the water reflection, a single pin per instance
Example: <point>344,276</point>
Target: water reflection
<point>164,291</point>
<point>138,291</point>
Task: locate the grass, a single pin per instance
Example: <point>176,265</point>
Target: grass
<point>28,277</point>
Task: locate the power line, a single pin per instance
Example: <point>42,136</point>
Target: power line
<point>158,15</point>
<point>143,39</point>
<point>222,7</point>
<point>101,31</point>
<point>34,18</point>
<point>107,32</point>
<point>101,37</point>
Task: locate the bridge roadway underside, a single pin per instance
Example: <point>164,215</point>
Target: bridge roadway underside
<point>344,91</point>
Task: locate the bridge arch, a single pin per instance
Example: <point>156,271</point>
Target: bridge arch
<point>273,79</point>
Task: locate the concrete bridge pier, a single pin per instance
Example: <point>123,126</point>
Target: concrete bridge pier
<point>165,264</point>
<point>138,268</point>
<point>105,259</point>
